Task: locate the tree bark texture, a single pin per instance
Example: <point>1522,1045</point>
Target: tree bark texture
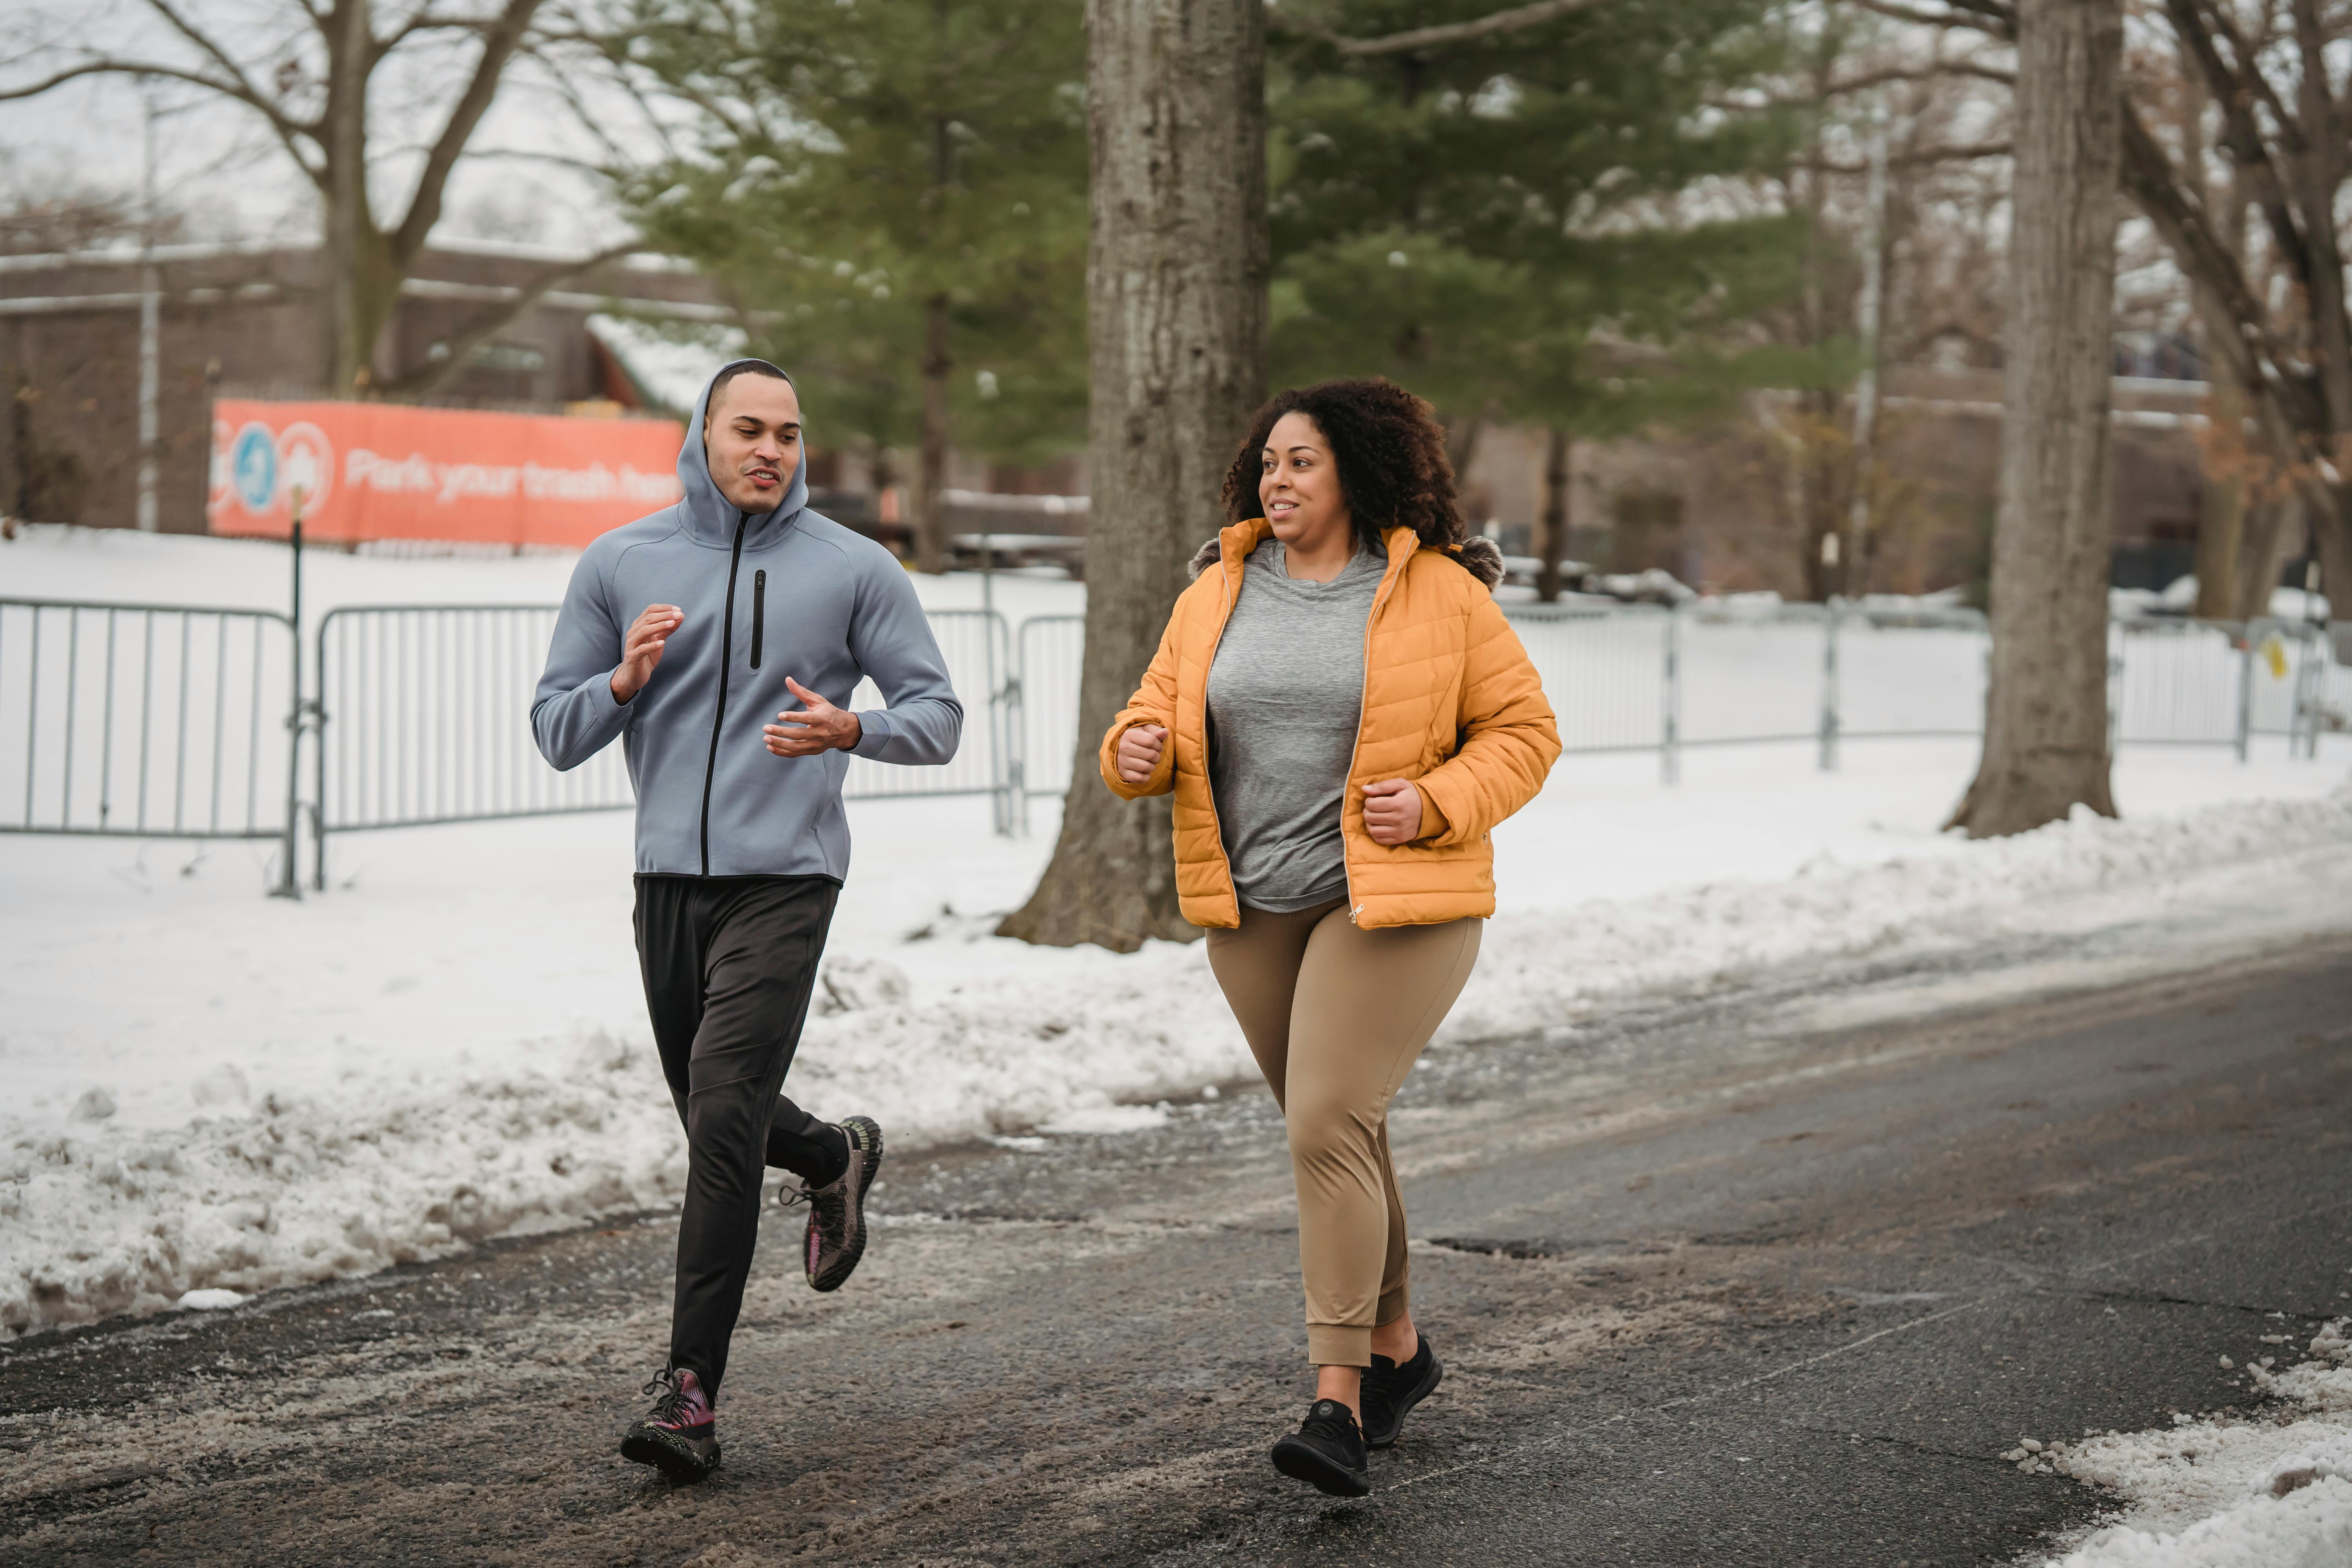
<point>2271,531</point>
<point>931,467</point>
<point>2045,745</point>
<point>1551,544</point>
<point>1176,316</point>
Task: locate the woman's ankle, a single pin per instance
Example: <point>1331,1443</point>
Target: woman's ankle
<point>1399,1341</point>
<point>1344,1384</point>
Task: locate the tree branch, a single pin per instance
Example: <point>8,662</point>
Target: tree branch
<point>499,41</point>
<point>286,129</point>
<point>1957,153</point>
<point>1517,19</point>
<point>423,22</point>
<point>1764,100</point>
<point>2241,133</point>
<point>435,376</point>
<point>1944,18</point>
<point>2254,358</point>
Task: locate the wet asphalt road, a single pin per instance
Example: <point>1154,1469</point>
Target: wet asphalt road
<point>1766,1279</point>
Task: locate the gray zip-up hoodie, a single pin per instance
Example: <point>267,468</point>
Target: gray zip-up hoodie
<point>766,595</point>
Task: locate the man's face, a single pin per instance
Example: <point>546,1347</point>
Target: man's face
<point>751,441</point>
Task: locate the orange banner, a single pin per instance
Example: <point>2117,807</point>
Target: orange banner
<point>386,471</point>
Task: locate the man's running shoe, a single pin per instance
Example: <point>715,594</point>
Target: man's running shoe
<point>1327,1452</point>
<point>1390,1391</point>
<point>836,1225</point>
<point>678,1434</point>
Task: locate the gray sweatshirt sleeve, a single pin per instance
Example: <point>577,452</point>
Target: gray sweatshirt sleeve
<point>573,714</point>
<point>892,644</point>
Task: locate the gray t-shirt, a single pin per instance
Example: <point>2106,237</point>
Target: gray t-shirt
<point>1286,696</point>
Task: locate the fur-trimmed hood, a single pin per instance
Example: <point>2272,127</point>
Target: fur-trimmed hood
<point>1477,555</point>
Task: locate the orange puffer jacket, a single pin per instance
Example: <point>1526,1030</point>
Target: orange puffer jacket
<point>1450,702</point>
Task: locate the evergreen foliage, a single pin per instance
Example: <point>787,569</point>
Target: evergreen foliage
<point>1552,225</point>
<point>862,172</point>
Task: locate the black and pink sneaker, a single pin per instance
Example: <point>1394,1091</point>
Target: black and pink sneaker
<point>679,1434</point>
<point>837,1225</point>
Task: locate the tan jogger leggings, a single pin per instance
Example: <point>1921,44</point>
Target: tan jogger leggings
<point>1336,1017</point>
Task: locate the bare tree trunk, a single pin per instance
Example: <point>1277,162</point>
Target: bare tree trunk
<point>1551,544</point>
<point>931,469</point>
<point>1462,443</point>
<point>2221,540</point>
<point>2045,744</point>
<point>350,231</point>
<point>2269,529</point>
<point>1176,319</point>
<point>2221,519</point>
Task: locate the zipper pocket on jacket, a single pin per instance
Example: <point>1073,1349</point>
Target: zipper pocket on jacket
<point>759,612</point>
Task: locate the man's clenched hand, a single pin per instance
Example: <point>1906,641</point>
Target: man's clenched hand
<point>817,727</point>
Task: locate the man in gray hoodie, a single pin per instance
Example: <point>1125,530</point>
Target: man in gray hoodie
<point>729,692</point>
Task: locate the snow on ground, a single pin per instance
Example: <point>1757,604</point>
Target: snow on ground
<point>212,1091</point>
<point>2228,1493</point>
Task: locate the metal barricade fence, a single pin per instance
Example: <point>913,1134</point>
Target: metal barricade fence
<point>425,718</point>
<point>178,721</point>
<point>1917,675</point>
<point>1607,672</point>
<point>1045,729</point>
<point>145,721</point>
<point>978,647</point>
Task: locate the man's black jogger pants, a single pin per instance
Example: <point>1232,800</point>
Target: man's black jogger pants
<point>730,963</point>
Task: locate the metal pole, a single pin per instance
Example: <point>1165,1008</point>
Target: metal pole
<point>1830,688</point>
<point>1670,754</point>
<point>2119,640</point>
<point>151,312</point>
<point>2245,688</point>
<point>2314,651</point>
<point>289,886</point>
<point>1016,728</point>
<point>1865,386</point>
<point>318,756</point>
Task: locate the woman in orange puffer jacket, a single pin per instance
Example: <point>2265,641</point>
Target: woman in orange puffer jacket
<point>1343,714</point>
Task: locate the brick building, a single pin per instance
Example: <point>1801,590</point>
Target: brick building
<point>246,319</point>
<point>1714,508</point>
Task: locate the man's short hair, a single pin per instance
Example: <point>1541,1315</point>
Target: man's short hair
<point>741,367</point>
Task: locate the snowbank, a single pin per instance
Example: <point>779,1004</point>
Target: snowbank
<point>2229,1494</point>
<point>100,1214</point>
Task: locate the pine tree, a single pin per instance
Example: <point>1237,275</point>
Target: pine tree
<point>892,193</point>
<point>1541,225</point>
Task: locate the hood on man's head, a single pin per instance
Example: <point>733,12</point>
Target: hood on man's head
<point>709,512</point>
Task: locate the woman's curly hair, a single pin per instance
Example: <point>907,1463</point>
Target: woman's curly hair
<point>1391,453</point>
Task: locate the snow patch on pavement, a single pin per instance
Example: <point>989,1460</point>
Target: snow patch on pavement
<point>346,1176</point>
<point>2229,1493</point>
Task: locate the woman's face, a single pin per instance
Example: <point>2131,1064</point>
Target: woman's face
<point>1299,485</point>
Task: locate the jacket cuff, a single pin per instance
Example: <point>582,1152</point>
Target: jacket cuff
<point>1433,822</point>
<point>1434,788</point>
<point>874,734</point>
<point>611,706</point>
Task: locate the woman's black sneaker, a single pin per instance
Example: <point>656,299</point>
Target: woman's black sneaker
<point>1390,1391</point>
<point>836,1225</point>
<point>1327,1452</point>
<point>678,1435</point>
